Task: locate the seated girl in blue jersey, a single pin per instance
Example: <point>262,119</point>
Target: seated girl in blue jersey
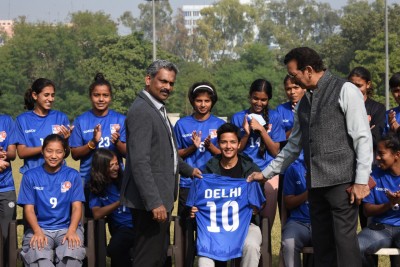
<point>99,127</point>
<point>382,204</point>
<point>104,185</point>
<point>51,196</point>
<point>38,122</point>
<point>230,163</point>
<point>296,233</point>
<point>260,139</point>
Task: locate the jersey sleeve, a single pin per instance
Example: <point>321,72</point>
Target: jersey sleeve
<point>26,192</point>
<point>191,199</point>
<point>65,121</point>
<point>178,134</point>
<point>255,194</point>
<point>277,132</point>
<point>77,193</point>
<point>94,201</point>
<point>291,176</point>
<point>122,132</point>
<point>18,136</point>
<point>76,139</point>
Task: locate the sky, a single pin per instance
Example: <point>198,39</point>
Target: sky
<point>58,10</point>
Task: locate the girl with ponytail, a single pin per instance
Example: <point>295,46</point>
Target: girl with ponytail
<point>38,122</point>
<point>262,132</point>
<point>100,127</point>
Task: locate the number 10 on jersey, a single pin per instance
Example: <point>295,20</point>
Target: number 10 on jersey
<point>214,228</point>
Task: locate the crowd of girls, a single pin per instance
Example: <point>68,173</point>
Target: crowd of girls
<point>44,137</point>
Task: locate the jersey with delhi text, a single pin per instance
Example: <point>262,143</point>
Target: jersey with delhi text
<point>183,132</point>
<point>83,133</point>
<point>384,181</point>
<point>6,131</point>
<point>275,131</point>
<point>121,216</point>
<point>225,210</point>
<point>31,129</point>
<point>52,194</point>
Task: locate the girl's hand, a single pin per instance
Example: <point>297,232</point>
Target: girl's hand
<point>38,240</point>
<point>73,239</point>
<point>196,138</point>
<point>3,165</point>
<point>65,132</point>
<point>246,125</point>
<point>97,134</point>
<point>255,125</point>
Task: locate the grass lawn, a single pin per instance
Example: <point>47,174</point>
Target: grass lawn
<point>276,230</point>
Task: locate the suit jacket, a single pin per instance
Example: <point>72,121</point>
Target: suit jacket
<point>149,179</point>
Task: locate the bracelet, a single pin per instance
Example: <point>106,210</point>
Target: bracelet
<point>91,145</point>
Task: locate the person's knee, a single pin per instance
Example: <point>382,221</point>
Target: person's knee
<point>288,245</point>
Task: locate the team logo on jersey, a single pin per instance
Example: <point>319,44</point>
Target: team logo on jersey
<point>11,204</point>
<point>56,128</point>
<point>3,136</point>
<point>212,133</point>
<point>269,127</point>
<point>65,186</point>
<point>114,128</point>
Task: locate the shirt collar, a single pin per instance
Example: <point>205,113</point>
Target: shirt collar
<point>158,104</point>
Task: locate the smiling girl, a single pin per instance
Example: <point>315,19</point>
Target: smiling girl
<point>382,204</point>
<point>38,122</point>
<point>51,196</point>
<point>100,127</point>
<point>261,139</point>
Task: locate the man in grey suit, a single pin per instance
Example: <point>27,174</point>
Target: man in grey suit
<point>150,180</point>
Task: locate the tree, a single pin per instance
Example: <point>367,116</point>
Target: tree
<point>123,61</point>
<point>292,23</point>
<point>223,29</point>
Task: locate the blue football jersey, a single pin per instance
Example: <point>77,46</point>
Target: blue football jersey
<point>52,195</point>
<point>384,181</point>
<point>31,129</point>
<point>286,113</point>
<point>225,210</point>
<point>120,217</point>
<point>295,184</point>
<point>183,131</point>
<point>275,131</point>
<point>83,133</point>
<point>6,132</point>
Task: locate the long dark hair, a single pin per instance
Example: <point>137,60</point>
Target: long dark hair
<point>99,179</point>
<point>262,85</point>
<point>37,87</point>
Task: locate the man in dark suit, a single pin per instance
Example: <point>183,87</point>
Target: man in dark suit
<point>150,180</point>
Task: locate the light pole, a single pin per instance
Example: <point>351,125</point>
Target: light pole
<point>386,57</point>
<point>154,28</point>
<point>154,32</point>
